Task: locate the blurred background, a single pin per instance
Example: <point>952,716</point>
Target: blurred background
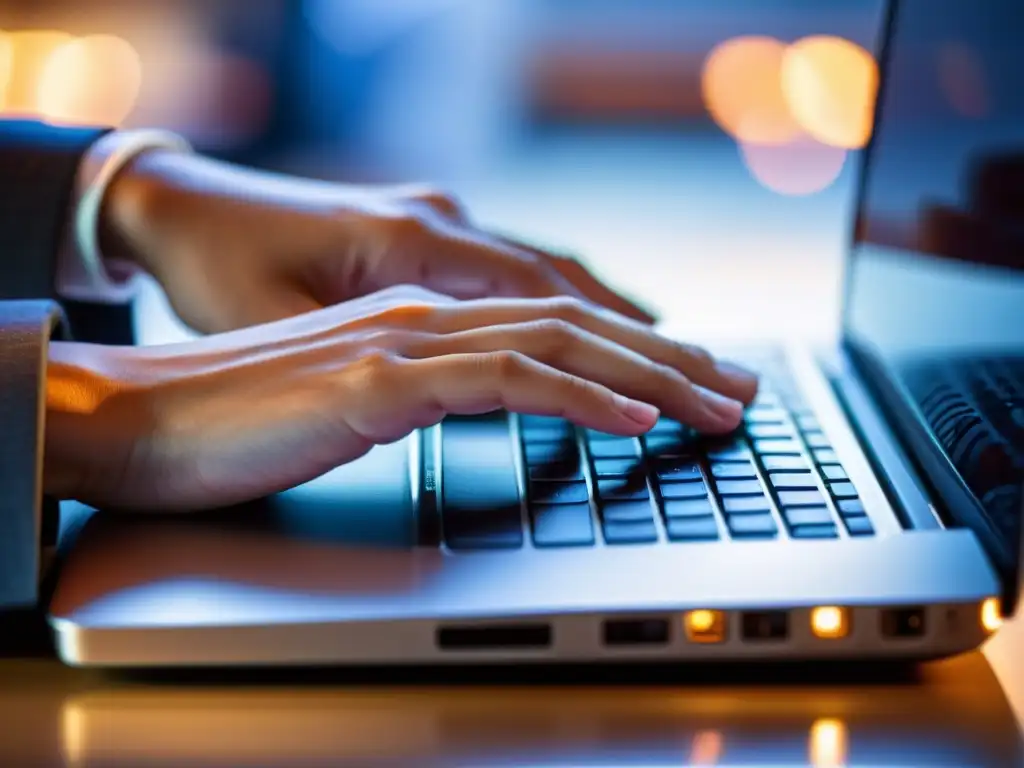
<point>698,153</point>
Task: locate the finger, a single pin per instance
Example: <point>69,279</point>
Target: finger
<point>570,349</point>
<point>409,394</point>
<point>696,364</point>
<point>436,201</point>
<point>592,288</point>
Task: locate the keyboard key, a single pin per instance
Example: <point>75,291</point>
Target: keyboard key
<point>678,470</point>
<point>859,526</point>
<point>733,451</point>
<point>817,440</point>
<point>627,511</point>
<point>663,426</point>
<point>693,489</point>
<point>768,415</point>
<point>785,464</point>
<point>640,532</point>
<point>807,516</point>
<point>559,470</point>
<point>462,533</point>
<point>765,399</point>
<point>793,481</point>
<point>688,508</point>
<point>769,430</point>
<point>558,493</point>
<point>668,445</point>
<point>613,449</point>
<point>833,472</point>
<point>807,423</point>
<point>734,471</point>
<point>815,531</point>
<point>760,526</point>
<point>692,529</point>
<point>801,499</point>
<point>593,434</point>
<point>529,421</point>
<point>623,488</point>
<point>826,456</point>
<point>562,525</point>
<point>851,507</point>
<point>777,447</point>
<point>551,452</point>
<point>843,490</point>
<point>617,467</point>
<point>547,434</point>
<point>739,487</point>
<point>744,505</point>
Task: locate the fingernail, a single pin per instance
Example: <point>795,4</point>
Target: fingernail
<point>642,413</point>
<point>725,409</point>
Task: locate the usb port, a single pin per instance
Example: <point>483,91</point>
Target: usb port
<point>903,622</point>
<point>766,625</point>
<point>636,632</point>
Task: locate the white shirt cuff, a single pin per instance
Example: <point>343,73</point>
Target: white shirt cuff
<point>83,274</point>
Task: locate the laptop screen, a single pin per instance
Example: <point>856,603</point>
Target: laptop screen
<point>935,303</point>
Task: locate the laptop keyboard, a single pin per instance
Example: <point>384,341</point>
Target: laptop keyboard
<point>776,477</point>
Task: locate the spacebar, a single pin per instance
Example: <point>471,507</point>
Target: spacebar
<point>480,506</point>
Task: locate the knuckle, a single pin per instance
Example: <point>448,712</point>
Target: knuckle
<point>694,353</point>
<point>408,314</point>
<point>442,199</point>
<point>569,309</point>
<point>555,336</point>
<point>509,365</point>
<point>407,227</point>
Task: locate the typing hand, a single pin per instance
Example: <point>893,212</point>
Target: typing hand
<point>239,415</point>
<point>234,247</point>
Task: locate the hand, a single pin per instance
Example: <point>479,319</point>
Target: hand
<point>240,415</point>
<point>235,247</point>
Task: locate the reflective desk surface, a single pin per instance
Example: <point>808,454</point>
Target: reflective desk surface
<point>641,213</point>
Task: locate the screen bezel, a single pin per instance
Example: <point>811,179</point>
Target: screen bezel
<point>941,477</point>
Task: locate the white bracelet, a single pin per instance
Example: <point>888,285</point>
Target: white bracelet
<point>87,215</point>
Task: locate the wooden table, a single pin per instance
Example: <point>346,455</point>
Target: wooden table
<point>682,225</point>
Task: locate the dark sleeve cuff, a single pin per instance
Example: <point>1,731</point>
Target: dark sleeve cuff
<point>26,328</point>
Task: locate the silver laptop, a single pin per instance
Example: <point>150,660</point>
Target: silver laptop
<point>870,506</point>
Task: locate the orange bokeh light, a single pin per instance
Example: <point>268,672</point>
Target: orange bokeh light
<point>829,85</point>
<point>28,54</point>
<point>741,84</point>
<point>802,167</point>
<point>90,80</point>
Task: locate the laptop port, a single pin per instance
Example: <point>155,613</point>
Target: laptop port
<point>766,625</point>
<point>903,622</point>
<point>494,638</point>
<point>636,632</point>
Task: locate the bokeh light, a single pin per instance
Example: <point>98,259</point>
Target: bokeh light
<point>804,166</point>
<point>90,80</point>
<point>29,53</point>
<point>828,743</point>
<point>741,83</point>
<point>5,66</point>
<point>829,85</point>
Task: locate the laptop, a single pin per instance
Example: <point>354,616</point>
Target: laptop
<point>870,506</point>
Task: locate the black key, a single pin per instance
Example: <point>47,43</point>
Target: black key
<point>817,440</point>
<point>826,456</point>
<point>621,448</point>
<point>692,529</point>
<point>562,470</point>
<point>859,526</point>
<point>551,452</point>
<point>527,420</point>
<point>630,532</point>
<point>777,447</point>
<point>744,505</point>
<point>851,507</point>
<point>617,467</point>
<point>793,481</point>
<point>815,531</point>
<point>480,507</point>
<point>558,493</point>
<point>801,499</point>
<point>833,472</point>
<point>562,525</point>
<point>769,430</point>
<point>734,471</point>
<point>739,487</point>
<point>623,488</point>
<point>843,490</point>
<point>693,489</point>
<point>752,526</point>
<point>807,516</point>
<point>668,445</point>
<point>808,423</point>
<point>678,470</point>
<point>734,451</point>
<point>785,464</point>
<point>546,434</point>
<point>593,434</point>
<point>663,426</point>
<point>627,511</point>
<point>688,508</point>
